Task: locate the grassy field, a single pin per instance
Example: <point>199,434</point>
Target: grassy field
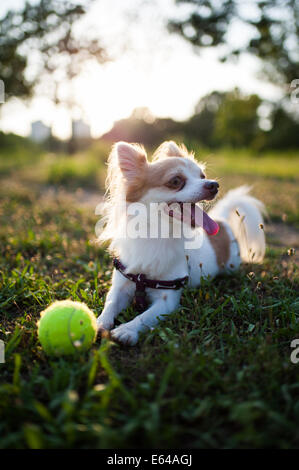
<point>216,373</point>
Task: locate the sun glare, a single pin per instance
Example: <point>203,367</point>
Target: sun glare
<point>157,70</point>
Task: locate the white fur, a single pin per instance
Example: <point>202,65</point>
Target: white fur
<point>167,258</point>
<point>244,215</point>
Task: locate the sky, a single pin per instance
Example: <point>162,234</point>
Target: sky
<point>150,68</point>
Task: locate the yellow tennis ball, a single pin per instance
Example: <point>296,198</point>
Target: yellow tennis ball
<point>66,327</point>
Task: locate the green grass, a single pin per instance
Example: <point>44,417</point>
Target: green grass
<point>272,176</point>
<point>33,166</point>
<point>215,373</point>
<point>243,162</point>
<point>85,169</point>
<point>17,153</point>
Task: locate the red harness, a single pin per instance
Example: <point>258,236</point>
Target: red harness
<point>142,282</point>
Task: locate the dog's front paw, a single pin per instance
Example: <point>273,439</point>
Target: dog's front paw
<point>125,334</point>
<point>104,324</point>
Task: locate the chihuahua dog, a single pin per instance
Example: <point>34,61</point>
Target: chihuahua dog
<point>197,245</point>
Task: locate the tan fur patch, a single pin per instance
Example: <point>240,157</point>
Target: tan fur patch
<point>221,245</point>
<point>153,175</point>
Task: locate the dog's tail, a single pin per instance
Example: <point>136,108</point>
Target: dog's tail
<point>244,213</point>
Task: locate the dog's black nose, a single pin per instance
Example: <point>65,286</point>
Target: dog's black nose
<point>212,186</point>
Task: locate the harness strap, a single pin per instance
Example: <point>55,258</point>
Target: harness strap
<point>142,282</point>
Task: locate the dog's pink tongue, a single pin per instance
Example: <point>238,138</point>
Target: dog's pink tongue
<point>200,218</point>
<point>193,215</point>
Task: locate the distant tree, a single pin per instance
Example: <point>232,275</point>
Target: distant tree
<point>43,29</point>
<point>144,128</point>
<point>284,132</point>
<point>201,126</point>
<point>236,121</point>
<point>220,119</point>
<point>210,102</point>
<point>273,31</point>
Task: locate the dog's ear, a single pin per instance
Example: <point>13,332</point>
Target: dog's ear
<point>170,149</point>
<point>132,160</point>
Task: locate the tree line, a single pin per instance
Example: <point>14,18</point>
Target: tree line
<point>220,119</point>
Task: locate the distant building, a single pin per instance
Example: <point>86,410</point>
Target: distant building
<point>80,130</point>
<point>39,131</point>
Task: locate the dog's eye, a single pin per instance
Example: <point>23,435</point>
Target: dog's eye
<point>177,182</point>
<point>202,176</point>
